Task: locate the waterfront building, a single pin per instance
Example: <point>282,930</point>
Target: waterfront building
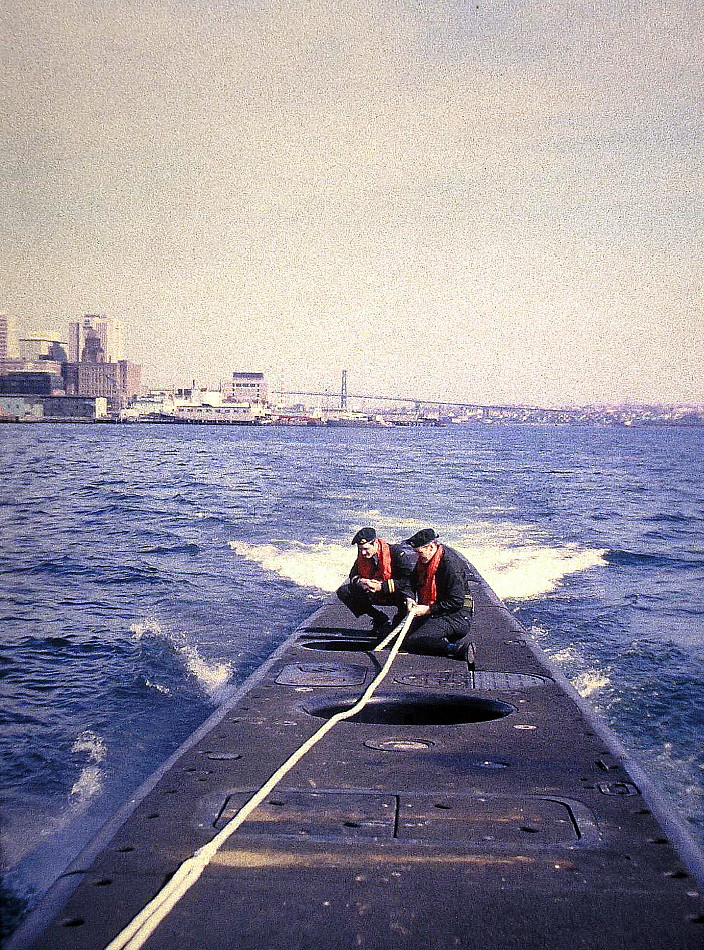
<point>244,413</point>
<point>8,336</point>
<point>24,383</point>
<point>17,365</point>
<point>38,408</point>
<point>117,382</point>
<point>96,338</point>
<point>246,387</point>
<point>34,356</point>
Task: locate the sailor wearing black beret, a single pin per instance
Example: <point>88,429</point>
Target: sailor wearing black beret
<point>441,583</point>
<point>364,534</point>
<point>424,536</point>
<point>380,576</point>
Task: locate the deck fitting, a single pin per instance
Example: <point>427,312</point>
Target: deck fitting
<point>411,710</point>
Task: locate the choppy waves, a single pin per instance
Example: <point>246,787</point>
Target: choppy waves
<point>149,569</point>
<point>650,559</point>
<point>90,780</point>
<point>212,677</point>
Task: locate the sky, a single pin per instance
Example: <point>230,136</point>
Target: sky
<point>489,202</point>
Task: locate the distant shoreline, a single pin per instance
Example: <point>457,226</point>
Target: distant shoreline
<point>472,423</point>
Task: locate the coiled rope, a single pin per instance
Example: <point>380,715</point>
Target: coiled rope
<point>138,931</point>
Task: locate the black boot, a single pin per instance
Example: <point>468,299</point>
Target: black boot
<point>463,650</point>
<point>380,622</point>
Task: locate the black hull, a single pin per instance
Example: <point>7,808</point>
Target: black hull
<point>481,809</point>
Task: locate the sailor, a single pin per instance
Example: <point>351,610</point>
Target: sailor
<point>440,580</point>
<point>381,576</point>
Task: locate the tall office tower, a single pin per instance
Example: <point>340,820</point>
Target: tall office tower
<point>8,336</point>
<point>93,350</point>
<point>108,331</point>
<point>74,341</point>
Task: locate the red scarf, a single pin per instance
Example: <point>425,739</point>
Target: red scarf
<point>380,572</point>
<point>427,589</point>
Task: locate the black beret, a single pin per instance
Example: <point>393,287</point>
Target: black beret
<point>364,534</point>
<point>424,536</point>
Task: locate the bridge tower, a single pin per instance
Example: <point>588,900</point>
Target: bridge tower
<point>343,391</point>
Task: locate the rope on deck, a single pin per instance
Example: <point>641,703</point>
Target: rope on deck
<point>138,931</point>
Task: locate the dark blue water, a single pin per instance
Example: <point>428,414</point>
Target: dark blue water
<point>146,570</point>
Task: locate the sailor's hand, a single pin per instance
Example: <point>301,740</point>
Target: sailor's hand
<point>422,610</point>
<point>371,585</point>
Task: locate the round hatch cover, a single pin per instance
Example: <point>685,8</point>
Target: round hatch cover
<point>399,745</point>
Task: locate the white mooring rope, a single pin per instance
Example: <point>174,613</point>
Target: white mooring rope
<point>138,931</point>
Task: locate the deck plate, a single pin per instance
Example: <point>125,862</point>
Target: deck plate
<point>322,674</point>
<point>486,820</point>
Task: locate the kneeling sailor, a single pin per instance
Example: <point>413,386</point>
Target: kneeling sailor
<point>441,581</point>
<point>381,576</point>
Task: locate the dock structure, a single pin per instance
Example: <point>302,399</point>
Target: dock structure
<point>476,808</point>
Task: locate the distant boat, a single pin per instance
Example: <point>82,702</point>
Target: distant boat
<point>350,417</point>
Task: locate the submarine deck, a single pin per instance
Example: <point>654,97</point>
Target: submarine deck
<point>475,808</point>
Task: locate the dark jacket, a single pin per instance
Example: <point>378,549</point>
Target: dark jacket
<point>403,560</point>
<point>452,580</point>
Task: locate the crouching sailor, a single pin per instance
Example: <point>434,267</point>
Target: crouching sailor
<point>381,576</point>
<point>441,581</point>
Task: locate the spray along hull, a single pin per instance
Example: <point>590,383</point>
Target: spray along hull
<point>475,808</point>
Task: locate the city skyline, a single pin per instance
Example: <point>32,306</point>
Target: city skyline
<point>494,204</point>
<point>330,397</point>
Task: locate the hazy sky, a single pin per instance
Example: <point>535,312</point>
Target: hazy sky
<point>495,202</point>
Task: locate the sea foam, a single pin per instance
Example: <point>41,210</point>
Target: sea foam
<point>516,569</point>
<point>321,565</point>
<point>519,573</point>
<point>91,777</point>
<point>589,682</point>
<point>213,677</point>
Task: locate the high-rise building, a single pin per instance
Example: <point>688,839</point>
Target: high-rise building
<point>246,387</point>
<point>8,336</point>
<point>82,336</point>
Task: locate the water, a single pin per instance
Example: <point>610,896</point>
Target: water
<point>147,570</point>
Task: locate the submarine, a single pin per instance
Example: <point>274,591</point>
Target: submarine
<point>351,795</point>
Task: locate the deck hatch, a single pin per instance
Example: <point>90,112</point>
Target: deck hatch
<point>447,679</point>
<point>485,680</point>
<point>485,821</point>
<point>319,814</point>
<point>322,674</point>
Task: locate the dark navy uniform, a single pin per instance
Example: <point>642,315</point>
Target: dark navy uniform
<point>448,621</point>
<point>394,590</point>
